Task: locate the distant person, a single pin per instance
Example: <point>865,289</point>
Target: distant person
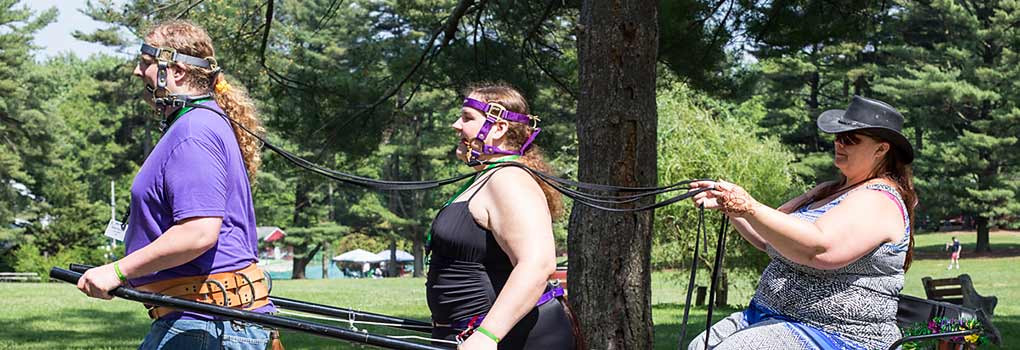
<point>365,268</point>
<point>838,251</point>
<point>954,257</point>
<point>192,221</point>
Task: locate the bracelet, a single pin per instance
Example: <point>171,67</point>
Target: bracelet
<point>116,268</point>
<point>487,334</point>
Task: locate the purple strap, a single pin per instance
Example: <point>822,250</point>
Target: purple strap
<point>546,297</point>
<point>494,112</point>
<point>553,293</point>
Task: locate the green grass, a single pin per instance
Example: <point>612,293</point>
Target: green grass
<point>57,316</point>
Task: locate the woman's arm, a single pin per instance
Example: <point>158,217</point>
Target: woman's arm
<point>182,243</point>
<point>751,236</point>
<point>748,232</point>
<point>518,216</point>
<point>848,231</point>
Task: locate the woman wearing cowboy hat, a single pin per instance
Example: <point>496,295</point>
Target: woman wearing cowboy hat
<point>838,251</point>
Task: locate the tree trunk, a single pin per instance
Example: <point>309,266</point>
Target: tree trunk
<point>301,202</point>
<point>325,261</point>
<point>723,292</point>
<point>391,266</point>
<point>982,235</point>
<point>813,104</point>
<point>418,198</point>
<point>616,128</point>
<point>419,254</point>
<point>300,263</point>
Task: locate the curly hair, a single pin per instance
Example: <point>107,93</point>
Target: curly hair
<point>190,39</point>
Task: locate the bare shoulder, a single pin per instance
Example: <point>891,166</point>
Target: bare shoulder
<point>511,179</point>
<point>873,203</point>
<point>512,187</point>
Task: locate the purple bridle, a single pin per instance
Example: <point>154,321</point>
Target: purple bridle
<point>495,112</point>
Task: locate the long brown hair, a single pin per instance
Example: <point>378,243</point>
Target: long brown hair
<point>892,167</point>
<point>518,133</point>
<point>190,39</point>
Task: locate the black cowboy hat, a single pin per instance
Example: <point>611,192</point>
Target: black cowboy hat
<point>872,116</point>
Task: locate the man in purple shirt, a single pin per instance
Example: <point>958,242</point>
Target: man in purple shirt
<point>191,214</point>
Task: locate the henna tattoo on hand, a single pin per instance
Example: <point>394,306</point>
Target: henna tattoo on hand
<point>736,201</point>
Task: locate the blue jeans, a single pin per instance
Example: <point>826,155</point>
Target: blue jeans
<point>182,334</point>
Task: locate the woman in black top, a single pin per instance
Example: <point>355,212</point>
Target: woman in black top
<point>492,246</point>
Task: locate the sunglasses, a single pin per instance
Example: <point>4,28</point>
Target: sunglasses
<point>850,138</point>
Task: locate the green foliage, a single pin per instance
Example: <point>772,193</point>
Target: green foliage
<point>957,82</point>
<point>273,196</point>
<point>373,244</point>
<point>62,142</point>
<point>22,126</point>
<point>703,138</point>
<point>29,258</point>
<point>305,236</point>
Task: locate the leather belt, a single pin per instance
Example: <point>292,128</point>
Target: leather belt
<point>244,289</point>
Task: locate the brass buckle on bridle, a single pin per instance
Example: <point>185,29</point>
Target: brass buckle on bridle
<point>495,111</point>
<point>471,147</point>
<point>166,54</point>
<point>213,65</point>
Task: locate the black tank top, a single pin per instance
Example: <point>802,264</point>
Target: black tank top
<point>467,269</point>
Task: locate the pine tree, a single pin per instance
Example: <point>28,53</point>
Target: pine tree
<point>962,97</point>
<point>23,128</point>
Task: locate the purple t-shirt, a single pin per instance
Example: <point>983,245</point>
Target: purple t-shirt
<point>196,170</point>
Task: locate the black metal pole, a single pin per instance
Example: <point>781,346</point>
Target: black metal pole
<point>694,274</point>
<point>269,320</point>
<point>326,310</point>
<point>720,251</point>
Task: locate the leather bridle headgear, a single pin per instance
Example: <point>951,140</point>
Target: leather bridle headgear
<point>164,56</point>
<point>494,113</point>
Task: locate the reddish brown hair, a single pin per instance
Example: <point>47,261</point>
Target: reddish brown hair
<point>518,133</point>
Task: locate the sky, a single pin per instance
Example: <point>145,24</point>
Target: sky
<point>56,37</point>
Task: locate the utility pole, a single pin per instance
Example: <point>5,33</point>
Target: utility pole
<point>113,217</point>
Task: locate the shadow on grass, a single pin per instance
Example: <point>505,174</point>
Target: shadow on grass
<point>1009,327</point>
<point>667,331</point>
<point>119,329</point>
<point>123,330</point>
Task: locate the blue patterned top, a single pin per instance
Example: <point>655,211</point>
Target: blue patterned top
<point>857,302</point>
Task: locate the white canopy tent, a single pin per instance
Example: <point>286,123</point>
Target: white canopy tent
<point>358,255</point>
<point>402,256</point>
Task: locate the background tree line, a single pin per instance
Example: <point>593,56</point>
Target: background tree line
<point>370,87</point>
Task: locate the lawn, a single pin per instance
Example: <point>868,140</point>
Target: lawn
<point>56,316</point>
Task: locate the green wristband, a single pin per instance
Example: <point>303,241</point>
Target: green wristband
<point>487,334</point>
<point>116,268</point>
